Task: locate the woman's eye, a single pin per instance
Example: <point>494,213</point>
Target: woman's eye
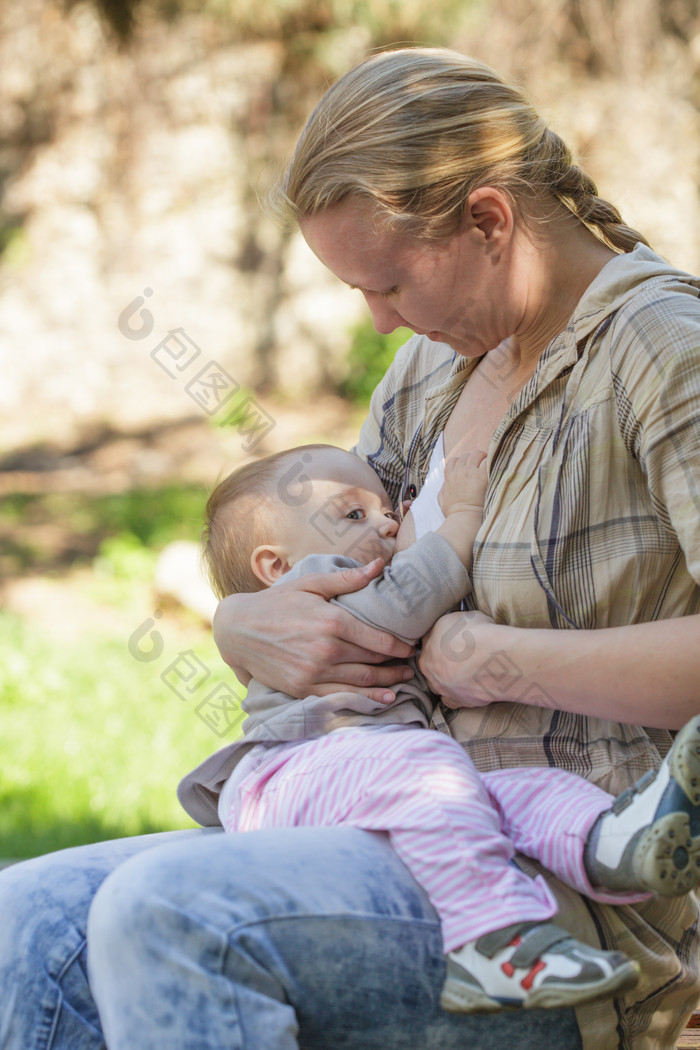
<point>355,515</point>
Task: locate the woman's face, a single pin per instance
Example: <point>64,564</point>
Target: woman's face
<point>451,291</point>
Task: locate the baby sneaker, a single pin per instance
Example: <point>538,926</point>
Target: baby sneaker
<point>650,838</point>
<point>532,965</point>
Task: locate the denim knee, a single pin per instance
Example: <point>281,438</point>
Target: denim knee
<point>42,921</point>
<point>45,999</point>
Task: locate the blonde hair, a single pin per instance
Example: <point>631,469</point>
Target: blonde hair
<point>415,131</point>
<point>243,512</point>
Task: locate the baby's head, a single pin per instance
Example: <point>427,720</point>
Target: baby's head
<point>268,515</point>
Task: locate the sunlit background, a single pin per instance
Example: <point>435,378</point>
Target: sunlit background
<point>156,329</point>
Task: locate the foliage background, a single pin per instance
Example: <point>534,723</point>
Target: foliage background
<point>136,138</point>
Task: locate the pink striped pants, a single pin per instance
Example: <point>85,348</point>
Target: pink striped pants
<point>456,830</point>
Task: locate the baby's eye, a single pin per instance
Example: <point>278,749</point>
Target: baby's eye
<point>355,515</point>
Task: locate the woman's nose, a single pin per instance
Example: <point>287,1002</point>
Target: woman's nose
<point>384,317</point>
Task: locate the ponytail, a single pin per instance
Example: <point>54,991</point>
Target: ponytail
<point>415,131</point>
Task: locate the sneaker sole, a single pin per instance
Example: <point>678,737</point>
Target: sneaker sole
<point>667,854</point>
<point>684,762</point>
<point>548,997</point>
<point>460,998</point>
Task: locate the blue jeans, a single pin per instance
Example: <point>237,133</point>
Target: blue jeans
<point>268,940</point>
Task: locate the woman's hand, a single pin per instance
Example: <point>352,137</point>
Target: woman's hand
<point>460,657</point>
<point>642,674</point>
<point>295,641</point>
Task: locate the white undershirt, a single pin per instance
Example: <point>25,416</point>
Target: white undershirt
<point>425,509</point>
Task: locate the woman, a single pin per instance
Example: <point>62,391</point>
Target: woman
<point>435,189</point>
<point>432,186</point>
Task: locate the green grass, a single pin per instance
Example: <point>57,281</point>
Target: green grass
<point>44,531</point>
<point>93,741</point>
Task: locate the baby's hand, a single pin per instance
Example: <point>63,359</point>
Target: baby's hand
<point>465,483</point>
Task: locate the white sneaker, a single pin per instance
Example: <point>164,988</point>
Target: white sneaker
<point>532,965</point>
<point>650,838</point>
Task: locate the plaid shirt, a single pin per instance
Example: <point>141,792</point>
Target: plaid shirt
<point>592,519</point>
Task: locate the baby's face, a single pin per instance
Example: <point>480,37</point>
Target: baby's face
<point>334,503</point>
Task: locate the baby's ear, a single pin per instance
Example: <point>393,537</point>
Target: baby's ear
<point>269,563</point>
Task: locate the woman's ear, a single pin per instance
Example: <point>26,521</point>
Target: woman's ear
<point>269,563</point>
<point>490,212</point>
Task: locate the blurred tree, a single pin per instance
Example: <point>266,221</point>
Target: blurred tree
<point>120,15</point>
<point>369,356</point>
<point>296,22</point>
<point>619,38</point>
<point>129,128</point>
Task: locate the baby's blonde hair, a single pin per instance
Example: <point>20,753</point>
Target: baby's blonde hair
<point>415,131</point>
<point>244,511</point>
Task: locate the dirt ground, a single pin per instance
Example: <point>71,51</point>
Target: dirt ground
<point>55,596</point>
<point>104,460</point>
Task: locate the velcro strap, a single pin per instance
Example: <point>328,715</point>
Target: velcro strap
<point>535,943</point>
<point>491,943</point>
<point>623,800</point>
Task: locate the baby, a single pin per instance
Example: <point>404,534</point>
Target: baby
<point>346,759</point>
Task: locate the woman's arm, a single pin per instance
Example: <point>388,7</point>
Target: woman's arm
<point>292,639</point>
<point>644,674</point>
